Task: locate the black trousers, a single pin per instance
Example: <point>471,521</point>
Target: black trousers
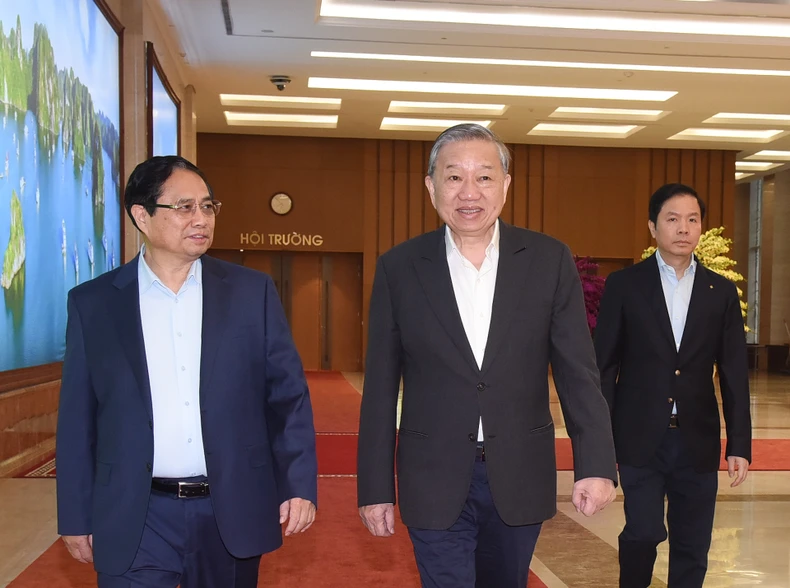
<point>691,501</point>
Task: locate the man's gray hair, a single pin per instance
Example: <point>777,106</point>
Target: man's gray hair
<point>468,132</point>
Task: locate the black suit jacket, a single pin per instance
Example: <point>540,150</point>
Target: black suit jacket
<point>643,375</point>
<point>415,332</point>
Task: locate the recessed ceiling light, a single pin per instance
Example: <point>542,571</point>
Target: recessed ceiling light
<point>770,155</point>
<point>261,119</point>
<point>741,175</point>
<point>424,124</point>
<point>755,165</point>
<point>604,131</point>
<point>406,107</point>
<point>554,64</point>
<point>489,89</point>
<point>749,118</point>
<point>280,101</point>
<point>558,19</point>
<point>738,135</point>
<point>620,114</point>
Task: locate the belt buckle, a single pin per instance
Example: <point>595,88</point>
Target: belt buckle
<point>185,487</point>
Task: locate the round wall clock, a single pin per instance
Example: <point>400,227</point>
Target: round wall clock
<point>281,203</point>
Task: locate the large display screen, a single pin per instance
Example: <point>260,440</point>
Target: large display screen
<point>60,167</point>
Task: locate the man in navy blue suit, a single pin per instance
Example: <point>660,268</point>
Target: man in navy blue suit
<point>185,432</point>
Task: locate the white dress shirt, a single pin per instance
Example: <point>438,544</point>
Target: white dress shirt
<point>677,294</point>
<point>474,294</point>
<point>172,331</point>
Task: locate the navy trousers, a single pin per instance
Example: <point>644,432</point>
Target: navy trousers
<point>479,550</point>
<point>181,546</point>
<point>691,502</point>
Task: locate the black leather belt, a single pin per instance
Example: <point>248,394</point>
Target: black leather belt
<point>673,421</point>
<point>181,489</point>
<point>481,452</point>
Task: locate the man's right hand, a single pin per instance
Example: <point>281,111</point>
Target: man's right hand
<point>80,547</point>
<point>379,519</point>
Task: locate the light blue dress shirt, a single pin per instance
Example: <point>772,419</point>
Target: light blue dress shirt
<point>677,294</point>
<point>172,330</point>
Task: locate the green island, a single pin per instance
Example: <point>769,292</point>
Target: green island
<point>14,257</point>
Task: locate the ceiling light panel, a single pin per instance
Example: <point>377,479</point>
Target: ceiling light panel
<point>598,20</point>
<point>770,155</point>
<point>406,107</point>
<point>280,101</point>
<point>725,135</point>
<point>553,64</point>
<point>574,130</point>
<point>489,89</point>
<point>425,124</point>
<point>261,119</point>
<point>611,114</point>
<point>741,175</point>
<point>755,165</point>
<point>748,118</point>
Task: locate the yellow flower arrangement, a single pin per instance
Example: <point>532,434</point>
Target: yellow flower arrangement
<point>711,253</point>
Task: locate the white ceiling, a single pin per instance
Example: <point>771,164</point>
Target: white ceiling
<point>266,37</point>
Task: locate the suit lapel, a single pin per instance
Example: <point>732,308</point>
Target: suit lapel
<point>654,291</point>
<point>126,313</point>
<point>434,276</point>
<point>700,293</point>
<point>512,272</point>
<point>216,306</point>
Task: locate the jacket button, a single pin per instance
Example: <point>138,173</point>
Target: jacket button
<point>150,424</point>
<point>149,467</point>
<point>472,437</point>
<point>481,386</point>
<point>677,372</point>
<point>670,400</point>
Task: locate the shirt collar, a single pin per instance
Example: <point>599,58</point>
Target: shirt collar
<point>147,278</point>
<point>451,246</point>
<point>665,267</point>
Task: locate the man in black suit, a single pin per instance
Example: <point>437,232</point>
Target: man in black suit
<point>662,325</point>
<point>471,316</point>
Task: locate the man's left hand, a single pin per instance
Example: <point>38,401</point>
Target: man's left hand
<point>592,494</point>
<point>299,513</point>
<point>737,467</point>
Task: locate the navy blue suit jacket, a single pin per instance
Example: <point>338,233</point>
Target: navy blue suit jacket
<point>256,416</point>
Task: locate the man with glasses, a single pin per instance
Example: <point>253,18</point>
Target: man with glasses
<point>185,431</point>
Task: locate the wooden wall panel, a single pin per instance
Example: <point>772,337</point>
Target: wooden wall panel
<point>386,196</point>
<point>672,167</point>
<point>400,205</point>
<point>727,210</point>
<point>535,189</point>
<point>520,185</point>
<point>717,171</point>
<point>418,193</point>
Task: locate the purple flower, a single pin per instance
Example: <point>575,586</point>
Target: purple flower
<point>592,286</point>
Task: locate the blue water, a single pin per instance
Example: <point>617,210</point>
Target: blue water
<point>33,309</point>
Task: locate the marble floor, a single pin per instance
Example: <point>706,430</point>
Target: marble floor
<point>751,539</point>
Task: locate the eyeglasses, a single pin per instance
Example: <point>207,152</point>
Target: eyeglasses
<point>187,208</point>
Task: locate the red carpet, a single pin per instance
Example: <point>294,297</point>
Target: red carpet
<point>768,455</point>
<point>335,403</point>
<point>336,551</point>
<point>337,455</point>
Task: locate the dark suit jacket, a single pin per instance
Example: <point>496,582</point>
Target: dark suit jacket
<point>416,332</point>
<point>257,420</point>
<point>642,373</point>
